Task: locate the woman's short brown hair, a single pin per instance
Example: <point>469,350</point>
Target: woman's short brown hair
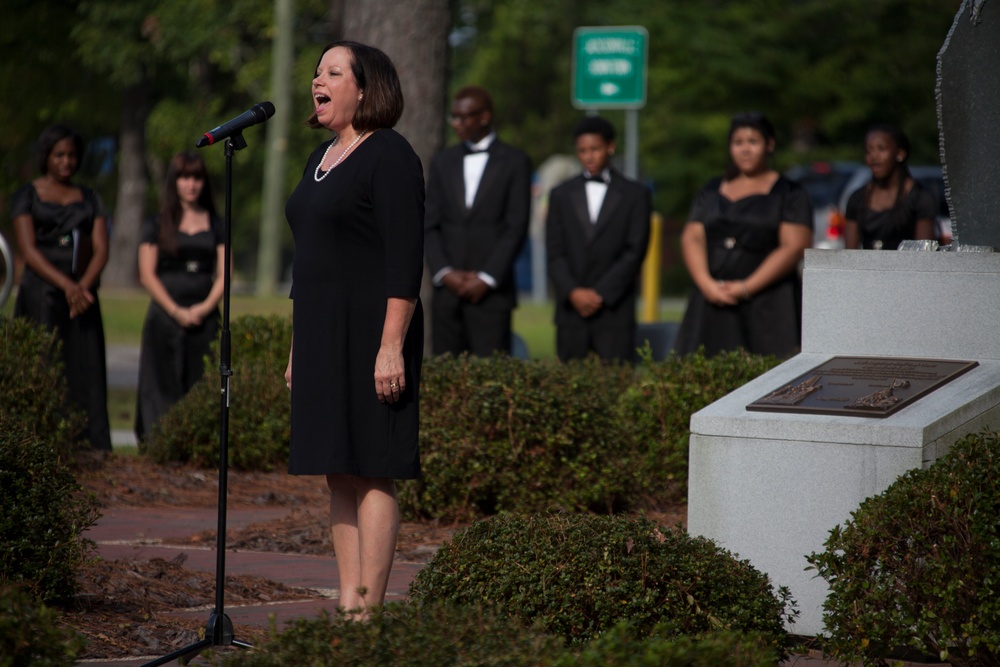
<point>382,103</point>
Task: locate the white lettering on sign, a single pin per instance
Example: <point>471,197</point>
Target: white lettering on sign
<point>609,66</point>
<point>618,45</point>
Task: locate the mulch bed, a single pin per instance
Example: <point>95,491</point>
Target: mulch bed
<point>124,607</point>
<point>129,608</point>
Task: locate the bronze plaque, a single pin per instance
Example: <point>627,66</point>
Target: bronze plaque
<point>862,386</point>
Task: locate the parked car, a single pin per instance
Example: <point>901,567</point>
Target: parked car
<point>929,176</point>
<point>825,182</point>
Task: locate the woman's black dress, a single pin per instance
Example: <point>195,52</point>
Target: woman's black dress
<point>358,241</point>
<point>739,235</point>
<point>62,235</point>
<point>172,357</point>
<point>885,230</point>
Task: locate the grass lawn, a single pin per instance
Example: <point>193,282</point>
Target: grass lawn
<point>124,310</point>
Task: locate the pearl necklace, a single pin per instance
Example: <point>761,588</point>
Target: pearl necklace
<point>340,159</point>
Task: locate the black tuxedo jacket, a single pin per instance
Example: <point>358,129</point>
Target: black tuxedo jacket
<point>488,236</point>
<point>606,255</point>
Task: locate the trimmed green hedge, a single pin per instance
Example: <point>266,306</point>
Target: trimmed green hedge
<point>918,566</point>
<point>30,633</point>
<point>577,576</point>
<point>258,403</point>
<point>33,389</point>
<point>497,434</point>
<point>45,515</point>
<point>412,635</point>
<point>404,634</point>
<point>500,434</point>
<point>44,509</point>
<point>622,646</point>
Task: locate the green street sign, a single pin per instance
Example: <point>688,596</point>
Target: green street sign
<point>609,67</point>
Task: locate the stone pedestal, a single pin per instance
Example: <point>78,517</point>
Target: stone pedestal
<point>769,486</point>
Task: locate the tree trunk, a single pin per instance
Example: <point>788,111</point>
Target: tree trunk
<point>415,35</point>
<point>276,161</point>
<point>126,220</point>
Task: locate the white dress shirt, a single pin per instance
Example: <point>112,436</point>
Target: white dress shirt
<point>596,191</point>
<point>473,166</point>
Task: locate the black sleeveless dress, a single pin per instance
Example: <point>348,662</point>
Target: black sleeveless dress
<point>885,230</point>
<point>62,235</point>
<point>358,241</point>
<point>739,235</point>
<point>172,357</point>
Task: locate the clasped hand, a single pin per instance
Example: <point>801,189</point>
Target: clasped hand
<point>79,299</point>
<point>586,301</point>
<point>466,285</point>
<point>725,293</point>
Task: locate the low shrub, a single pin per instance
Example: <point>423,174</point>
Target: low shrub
<point>258,403</point>
<point>620,646</point>
<point>45,515</point>
<point>577,576</point>
<point>497,434</point>
<point>405,634</point>
<point>918,566</point>
<point>655,412</point>
<point>30,634</point>
<point>502,434</point>
<point>33,389</point>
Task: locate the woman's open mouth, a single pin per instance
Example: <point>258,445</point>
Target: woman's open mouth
<point>321,101</point>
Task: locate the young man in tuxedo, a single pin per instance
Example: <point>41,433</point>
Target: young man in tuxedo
<point>596,233</point>
<point>476,219</point>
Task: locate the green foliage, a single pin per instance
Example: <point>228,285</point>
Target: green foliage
<point>502,434</point>
<point>410,635</point>
<point>44,518</point>
<point>918,566</point>
<point>506,435</point>
<point>655,411</point>
<point>577,576</point>
<point>821,69</point>
<point>30,634</point>
<point>258,408</point>
<point>419,635</point>
<point>33,390</point>
<point>622,647</point>
<point>497,434</point>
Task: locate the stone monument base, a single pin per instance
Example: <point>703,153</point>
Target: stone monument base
<point>770,486</point>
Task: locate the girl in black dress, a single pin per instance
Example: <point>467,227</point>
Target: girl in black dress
<point>62,235</point>
<point>746,235</point>
<point>357,220</point>
<point>892,207</point>
<point>181,264</point>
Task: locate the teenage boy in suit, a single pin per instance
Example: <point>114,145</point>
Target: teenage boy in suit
<point>596,233</point>
<point>476,219</point>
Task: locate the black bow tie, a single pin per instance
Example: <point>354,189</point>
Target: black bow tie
<point>469,150</point>
<point>596,179</point>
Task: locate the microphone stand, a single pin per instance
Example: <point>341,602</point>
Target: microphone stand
<point>219,631</point>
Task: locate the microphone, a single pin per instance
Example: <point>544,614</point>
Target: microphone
<point>258,113</point>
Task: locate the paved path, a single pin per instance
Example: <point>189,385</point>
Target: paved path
<point>137,533</point>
